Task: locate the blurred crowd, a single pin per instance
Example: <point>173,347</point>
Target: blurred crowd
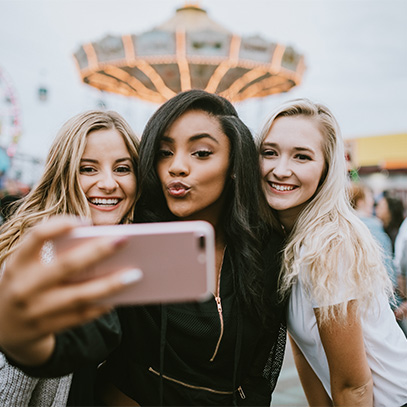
<point>10,192</point>
<point>385,216</point>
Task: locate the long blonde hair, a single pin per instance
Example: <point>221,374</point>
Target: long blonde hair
<point>328,230</point>
<point>58,191</point>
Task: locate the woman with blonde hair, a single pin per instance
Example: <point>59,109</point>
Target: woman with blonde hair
<point>90,173</point>
<point>347,345</point>
<point>59,190</point>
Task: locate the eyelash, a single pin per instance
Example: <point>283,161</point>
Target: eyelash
<point>202,153</point>
<point>268,153</point>
<point>164,153</point>
<point>199,153</point>
<point>122,169</point>
<point>271,153</point>
<point>83,170</point>
<point>303,157</point>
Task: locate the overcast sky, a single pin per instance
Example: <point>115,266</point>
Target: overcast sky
<point>355,52</point>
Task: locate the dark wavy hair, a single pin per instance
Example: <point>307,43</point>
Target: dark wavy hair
<point>396,209</point>
<point>241,219</point>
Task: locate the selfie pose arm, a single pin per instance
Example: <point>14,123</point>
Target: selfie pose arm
<point>36,301</point>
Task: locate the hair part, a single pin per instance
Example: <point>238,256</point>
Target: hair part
<point>58,191</point>
<point>328,230</point>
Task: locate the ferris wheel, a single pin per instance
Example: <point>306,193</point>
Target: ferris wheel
<point>10,124</point>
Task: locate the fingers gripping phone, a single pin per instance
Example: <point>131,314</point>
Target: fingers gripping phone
<point>177,260</point>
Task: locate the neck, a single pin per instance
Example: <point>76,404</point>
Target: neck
<point>287,224</point>
<point>289,216</point>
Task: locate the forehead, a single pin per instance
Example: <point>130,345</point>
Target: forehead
<point>296,130</point>
<point>105,140</point>
<point>195,122</point>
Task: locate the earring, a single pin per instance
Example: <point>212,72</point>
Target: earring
<point>233,176</point>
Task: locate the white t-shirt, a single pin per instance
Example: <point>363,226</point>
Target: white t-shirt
<point>385,344</point>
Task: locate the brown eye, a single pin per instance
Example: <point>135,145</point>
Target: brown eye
<point>86,170</point>
<point>164,153</point>
<point>123,169</point>
<point>303,157</point>
<point>202,153</point>
<point>268,153</point>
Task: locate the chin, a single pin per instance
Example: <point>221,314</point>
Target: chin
<point>106,221</point>
<point>180,212</point>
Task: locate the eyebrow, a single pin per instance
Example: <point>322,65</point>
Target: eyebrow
<point>119,160</point>
<point>192,138</point>
<point>294,148</point>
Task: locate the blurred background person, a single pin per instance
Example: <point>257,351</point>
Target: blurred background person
<point>362,200</point>
<point>390,211</point>
<point>400,259</point>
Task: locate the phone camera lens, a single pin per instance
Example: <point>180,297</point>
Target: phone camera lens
<point>201,240</point>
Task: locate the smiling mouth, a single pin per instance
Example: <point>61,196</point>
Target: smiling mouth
<point>282,188</point>
<point>104,202</point>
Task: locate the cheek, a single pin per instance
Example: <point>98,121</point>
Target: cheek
<point>214,182</point>
<point>312,182</point>
<point>83,183</point>
<point>130,187</point>
<point>319,175</point>
<point>133,185</point>
<point>160,170</point>
<point>263,168</point>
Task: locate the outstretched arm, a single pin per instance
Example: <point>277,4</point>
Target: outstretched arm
<point>37,300</point>
<point>351,378</point>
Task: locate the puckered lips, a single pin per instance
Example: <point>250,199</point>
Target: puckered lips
<point>178,189</point>
<point>104,203</point>
<point>281,188</point>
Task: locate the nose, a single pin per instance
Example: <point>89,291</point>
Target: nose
<point>179,165</point>
<point>107,181</point>
<point>282,168</point>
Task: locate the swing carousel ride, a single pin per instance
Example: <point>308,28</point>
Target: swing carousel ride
<point>189,51</point>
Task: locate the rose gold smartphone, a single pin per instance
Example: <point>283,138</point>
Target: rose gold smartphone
<point>177,260</point>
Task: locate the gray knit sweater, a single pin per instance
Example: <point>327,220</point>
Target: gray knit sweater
<point>19,390</point>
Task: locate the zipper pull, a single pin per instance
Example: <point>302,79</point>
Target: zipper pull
<point>241,393</point>
<point>219,304</point>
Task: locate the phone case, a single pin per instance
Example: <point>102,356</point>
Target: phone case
<point>177,260</point>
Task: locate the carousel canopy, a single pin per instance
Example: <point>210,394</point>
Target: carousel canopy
<point>189,51</point>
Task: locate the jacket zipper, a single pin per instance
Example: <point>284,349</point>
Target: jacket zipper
<point>191,386</point>
<point>219,306</point>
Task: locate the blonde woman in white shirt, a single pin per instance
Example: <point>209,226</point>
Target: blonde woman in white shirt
<point>347,345</point>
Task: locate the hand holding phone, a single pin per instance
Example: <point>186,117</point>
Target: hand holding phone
<point>177,260</point>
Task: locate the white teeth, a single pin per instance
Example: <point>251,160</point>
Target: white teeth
<point>282,187</point>
<point>102,201</point>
